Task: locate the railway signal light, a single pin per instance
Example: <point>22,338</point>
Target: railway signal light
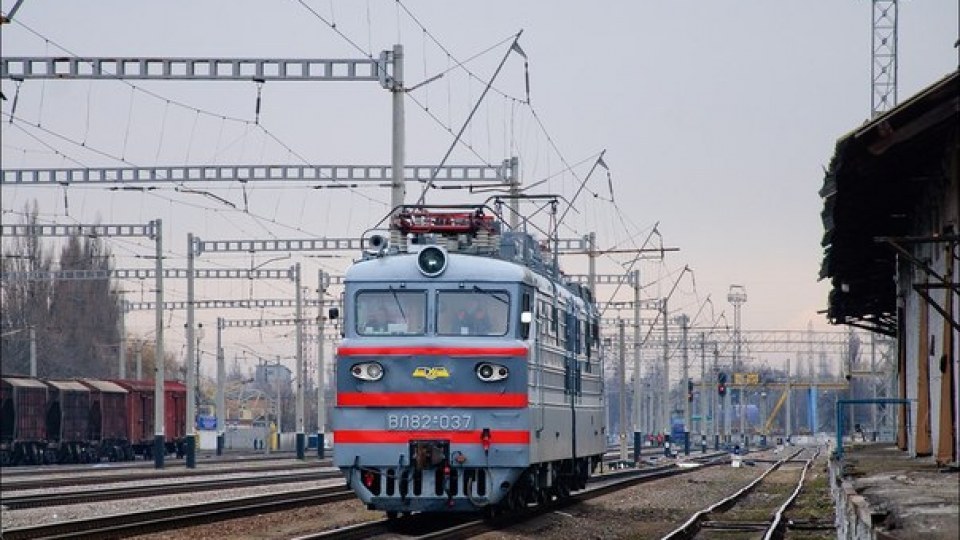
<point>690,390</point>
<point>722,384</point>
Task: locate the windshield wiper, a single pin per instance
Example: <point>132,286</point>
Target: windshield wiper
<point>494,294</point>
<point>399,306</point>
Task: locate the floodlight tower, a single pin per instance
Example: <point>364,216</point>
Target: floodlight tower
<point>737,296</point>
<point>883,70</point>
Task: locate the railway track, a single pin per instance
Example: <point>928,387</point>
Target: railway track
<point>457,527</point>
<point>452,527</point>
<point>755,511</point>
<point>31,482</point>
<point>15,502</point>
<point>202,460</point>
<point>133,523</point>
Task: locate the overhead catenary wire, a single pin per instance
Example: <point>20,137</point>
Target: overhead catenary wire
<point>631,237</point>
<point>466,123</point>
<point>169,101</point>
<point>152,192</point>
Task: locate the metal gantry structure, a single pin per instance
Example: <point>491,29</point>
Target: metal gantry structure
<point>883,65</point>
<point>387,70</point>
<point>152,230</point>
<point>737,296</point>
<point>333,175</point>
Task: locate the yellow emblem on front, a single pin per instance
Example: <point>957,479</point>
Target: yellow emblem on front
<point>431,373</point>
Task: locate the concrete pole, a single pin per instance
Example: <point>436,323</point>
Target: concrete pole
<point>714,401</point>
<point>122,349</point>
<point>221,382</point>
<point>592,263</point>
<point>398,189</point>
<point>159,448</point>
<point>623,390</point>
<point>704,389</point>
<point>684,321</point>
<point>301,425</point>
<point>665,406</point>
<point>743,412</point>
<point>788,427</point>
<point>321,369</point>
<point>637,387</point>
<point>140,362</point>
<point>33,352</point>
<point>514,204</point>
<point>191,366</point>
<point>278,412</point>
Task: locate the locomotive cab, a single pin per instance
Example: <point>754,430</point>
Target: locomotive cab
<point>445,401</point>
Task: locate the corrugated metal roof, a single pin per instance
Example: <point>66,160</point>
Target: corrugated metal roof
<point>73,386</point>
<point>24,383</point>
<point>104,386</point>
<point>871,189</point>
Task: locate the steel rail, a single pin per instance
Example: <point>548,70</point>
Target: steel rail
<point>228,458</point>
<point>778,525</point>
<point>136,523</point>
<point>28,483</point>
<point>121,493</point>
<point>692,526</point>
<point>472,526</point>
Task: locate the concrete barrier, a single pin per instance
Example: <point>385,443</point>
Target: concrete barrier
<point>856,519</point>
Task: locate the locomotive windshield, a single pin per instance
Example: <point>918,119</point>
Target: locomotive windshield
<point>476,313</point>
<point>391,312</point>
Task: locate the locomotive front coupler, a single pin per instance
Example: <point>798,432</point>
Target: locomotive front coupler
<point>429,454</point>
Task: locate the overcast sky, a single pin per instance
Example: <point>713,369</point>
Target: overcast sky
<point>717,118</point>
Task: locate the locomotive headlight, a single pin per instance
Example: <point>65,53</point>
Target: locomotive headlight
<point>432,261</point>
<point>488,372</point>
<point>367,371</point>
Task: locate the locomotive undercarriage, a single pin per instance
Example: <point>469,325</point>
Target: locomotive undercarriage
<point>448,487</point>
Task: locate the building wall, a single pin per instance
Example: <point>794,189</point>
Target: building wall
<point>930,342</point>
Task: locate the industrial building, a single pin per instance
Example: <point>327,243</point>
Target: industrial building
<point>891,220</point>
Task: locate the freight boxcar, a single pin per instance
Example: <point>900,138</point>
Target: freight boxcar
<point>23,431</point>
<point>107,426</point>
<point>175,412</point>
<point>140,416</point>
<point>67,419</point>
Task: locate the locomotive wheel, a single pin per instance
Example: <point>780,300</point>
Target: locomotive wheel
<point>563,488</point>
<point>541,495</point>
<point>517,500</point>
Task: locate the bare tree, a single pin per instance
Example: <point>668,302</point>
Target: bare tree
<point>84,314</point>
<point>26,303</point>
<point>76,321</point>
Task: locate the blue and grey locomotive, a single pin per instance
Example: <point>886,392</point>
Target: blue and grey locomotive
<point>469,376</point>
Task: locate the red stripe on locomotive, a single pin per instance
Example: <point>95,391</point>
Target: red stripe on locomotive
<point>432,351</point>
<point>431,399</point>
<point>374,436</point>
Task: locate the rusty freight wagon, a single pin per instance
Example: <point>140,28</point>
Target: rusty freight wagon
<point>23,432</point>
<point>67,420</point>
<point>107,426</point>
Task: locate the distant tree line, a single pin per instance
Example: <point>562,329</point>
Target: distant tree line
<point>76,322</point>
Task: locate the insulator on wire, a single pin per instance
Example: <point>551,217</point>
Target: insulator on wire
<point>257,112</point>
